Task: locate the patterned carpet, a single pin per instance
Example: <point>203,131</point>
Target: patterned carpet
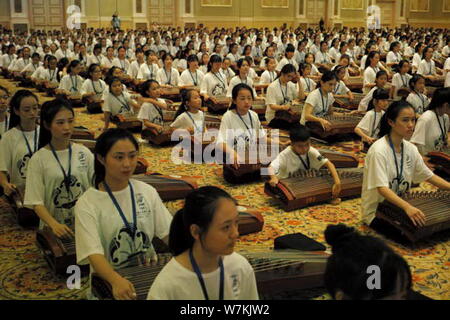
<point>24,273</point>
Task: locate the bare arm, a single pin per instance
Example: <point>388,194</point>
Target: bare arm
<point>439,182</point>
<point>107,119</point>
<point>60,230</point>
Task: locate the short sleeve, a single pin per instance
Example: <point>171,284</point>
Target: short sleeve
<point>35,187</point>
<point>376,170</point>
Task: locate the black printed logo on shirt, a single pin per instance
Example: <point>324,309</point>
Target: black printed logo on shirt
<point>64,200</point>
<point>22,165</point>
<point>126,251</point>
<point>218,90</point>
<point>82,160</point>
<point>235,285</point>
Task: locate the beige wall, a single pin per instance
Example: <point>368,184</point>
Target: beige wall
<point>4,12</point>
<point>434,17</point>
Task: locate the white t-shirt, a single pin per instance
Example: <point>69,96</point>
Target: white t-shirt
<point>118,104</point>
<point>122,64</point>
<point>170,78</point>
<point>147,72</point>
<point>419,101</point>
<point>393,57</point>
<point>107,63</point>
<point>175,282</point>
<point>380,171</point>
<point>370,123</point>
<point>341,89</point>
<point>400,81</point>
<point>188,120</point>
<point>364,103</point>
<point>322,57</point>
<point>98,87</point>
<point>308,84</point>
<point>267,77</point>
<point>417,58</point>
<point>151,113</point>
<point>370,75</point>
<point>99,228</point>
<point>288,162</point>
<point>284,62</point>
<point>4,125</point>
<point>45,181</point>
<point>72,84</point>
<point>214,84</point>
<point>321,104</point>
<point>279,95</point>
<point>188,78</point>
<point>133,69</point>
<point>427,68</point>
<point>447,74</point>
<point>234,128</point>
<point>20,64</point>
<point>59,54</point>
<point>236,80</point>
<point>47,74</point>
<point>15,155</point>
<point>429,133</point>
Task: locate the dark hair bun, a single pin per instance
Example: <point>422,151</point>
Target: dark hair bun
<point>335,233</point>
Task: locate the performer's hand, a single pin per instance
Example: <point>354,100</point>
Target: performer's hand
<point>62,231</point>
<point>123,289</point>
<point>416,216</point>
<point>274,181</point>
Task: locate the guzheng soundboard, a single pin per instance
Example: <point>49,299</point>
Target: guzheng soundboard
<point>340,125</point>
<point>435,206</point>
<point>347,104</point>
<point>221,105</point>
<point>158,138</point>
<point>441,159</point>
<point>127,121</point>
<point>275,272</point>
<point>311,187</point>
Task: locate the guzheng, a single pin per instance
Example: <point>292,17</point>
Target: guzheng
<point>82,133</point>
<point>25,217</point>
<point>259,106</point>
<point>437,82</point>
<point>275,272</point>
<point>249,221</point>
<point>441,159</point>
<point>93,106</point>
<point>307,188</point>
<point>260,88</point>
<point>169,187</point>
<point>74,99</point>
<point>347,104</point>
<point>127,121</point>
<point>291,116</point>
<point>212,121</point>
<point>158,138</point>
<point>199,142</point>
<point>435,206</point>
<point>90,144</point>
<point>250,168</point>
<point>340,159</point>
<point>50,88</point>
<point>172,93</point>
<point>169,115</point>
<point>355,84</point>
<point>59,253</point>
<point>340,125</point>
<point>220,106</point>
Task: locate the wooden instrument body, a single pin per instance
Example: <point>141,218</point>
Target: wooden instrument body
<point>249,220</point>
<point>275,272</point>
<point>26,217</point>
<point>58,253</point>
<point>442,159</point>
<point>438,82</point>
<point>169,187</point>
<point>75,99</point>
<point>222,105</point>
<point>90,144</point>
<point>172,93</point>
<point>93,106</point>
<point>340,159</point>
<point>291,116</point>
<point>129,122</point>
<point>435,206</point>
<point>158,138</point>
<point>249,170</point>
<point>261,88</point>
<point>82,133</point>
<point>340,125</point>
<point>347,104</point>
<point>355,84</point>
<point>314,187</point>
<point>259,107</point>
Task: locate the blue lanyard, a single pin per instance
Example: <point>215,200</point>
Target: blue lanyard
<point>306,164</point>
<point>285,97</point>
<point>399,172</point>
<point>374,122</point>
<point>192,119</point>
<point>30,152</point>
<point>95,90</point>
<point>169,78</point>
<point>74,85</point>
<point>124,104</point>
<point>150,71</point>
<point>443,129</point>
<point>324,105</point>
<point>202,281</point>
<point>66,176</point>
<point>196,77</point>
<point>308,84</point>
<point>220,79</point>
<point>251,123</point>
<point>132,228</point>
<point>336,90</point>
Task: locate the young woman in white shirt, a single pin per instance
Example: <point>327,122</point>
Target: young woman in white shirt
<point>4,114</point>
<point>380,83</point>
<point>417,98</point>
<point>168,76</point>
<point>233,54</point>
<point>269,75</point>
<point>322,57</point>
<point>215,82</point>
<point>19,141</point>
<point>315,74</point>
<point>320,102</point>
<point>117,101</point>
<point>288,58</point>
<point>392,165</point>
<point>96,56</point>
<point>204,61</point>
<point>280,94</point>
<point>427,67</point>
<point>118,217</point>
<point>305,81</point>
<point>242,77</point>
<point>149,69</point>
<point>371,71</point>
<point>202,239</point>
<point>341,90</point>
<point>417,58</point>
<point>121,61</point>
<point>151,112</point>
<point>108,59</point>
<point>71,84</point>
<point>191,76</point>
<point>431,132</point>
<point>94,88</point>
<point>369,126</point>
<point>401,79</point>
<point>60,172</point>
<point>189,116</point>
<point>394,56</point>
<point>226,69</point>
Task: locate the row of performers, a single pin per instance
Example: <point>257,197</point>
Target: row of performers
<point>115,216</point>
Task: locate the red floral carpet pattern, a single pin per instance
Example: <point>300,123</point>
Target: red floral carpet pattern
<point>24,273</point>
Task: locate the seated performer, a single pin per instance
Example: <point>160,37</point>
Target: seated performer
<point>301,156</point>
<point>117,218</point>
<point>151,112</point>
<point>417,98</point>
<point>202,239</point>
<point>189,116</point>
<point>60,172</point>
<point>346,274</point>
<point>4,114</point>
<point>392,165</point>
